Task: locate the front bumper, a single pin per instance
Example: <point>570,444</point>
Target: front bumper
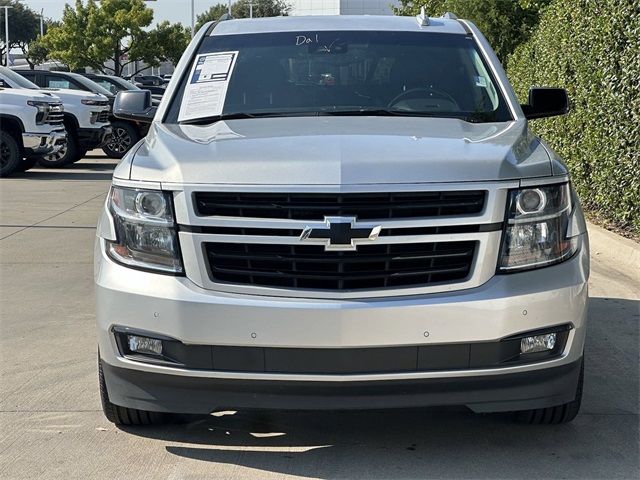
<point>94,137</point>
<point>504,306</point>
<point>36,144</point>
<point>485,393</point>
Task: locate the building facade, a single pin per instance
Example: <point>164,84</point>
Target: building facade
<point>341,7</point>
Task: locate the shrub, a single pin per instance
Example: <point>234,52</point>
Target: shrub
<point>591,48</point>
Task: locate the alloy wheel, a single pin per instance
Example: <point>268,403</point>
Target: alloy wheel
<point>120,141</point>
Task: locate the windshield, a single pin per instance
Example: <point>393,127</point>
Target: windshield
<point>123,84</point>
<point>352,73</point>
<point>114,84</point>
<point>90,84</point>
<point>18,80</point>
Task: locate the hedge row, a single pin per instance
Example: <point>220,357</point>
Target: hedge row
<point>592,48</point>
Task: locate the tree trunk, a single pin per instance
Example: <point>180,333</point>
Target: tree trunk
<point>117,67</point>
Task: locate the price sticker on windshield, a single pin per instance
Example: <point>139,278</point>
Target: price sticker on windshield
<point>206,89</point>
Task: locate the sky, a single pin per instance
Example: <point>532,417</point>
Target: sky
<point>172,10</point>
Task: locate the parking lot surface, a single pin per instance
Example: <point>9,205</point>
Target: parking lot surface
<point>51,424</point>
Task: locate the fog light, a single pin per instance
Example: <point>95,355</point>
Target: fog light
<point>538,343</point>
<point>144,345</point>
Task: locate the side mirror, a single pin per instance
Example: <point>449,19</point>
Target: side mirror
<point>134,105</point>
<point>546,102</point>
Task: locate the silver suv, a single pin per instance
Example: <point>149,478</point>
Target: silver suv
<point>341,213</point>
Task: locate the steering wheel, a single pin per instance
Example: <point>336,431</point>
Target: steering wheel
<point>431,91</point>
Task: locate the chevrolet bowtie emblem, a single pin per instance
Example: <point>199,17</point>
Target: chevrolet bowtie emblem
<point>340,233</point>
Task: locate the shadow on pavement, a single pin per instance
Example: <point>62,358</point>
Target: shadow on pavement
<point>76,171</point>
<point>444,443</point>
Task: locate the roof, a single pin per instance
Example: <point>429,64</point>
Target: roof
<point>335,22</point>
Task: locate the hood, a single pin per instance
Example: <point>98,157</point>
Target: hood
<point>66,93</point>
<point>339,151</point>
<point>27,94</point>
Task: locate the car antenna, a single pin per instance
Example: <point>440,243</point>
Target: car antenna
<point>422,19</point>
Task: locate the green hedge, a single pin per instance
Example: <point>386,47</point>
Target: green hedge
<point>591,48</point>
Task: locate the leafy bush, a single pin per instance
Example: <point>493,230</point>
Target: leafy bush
<point>591,48</point>
<point>505,23</point>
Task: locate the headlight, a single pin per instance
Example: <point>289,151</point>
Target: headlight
<point>145,230</point>
<point>87,101</point>
<point>43,110</point>
<point>535,233</point>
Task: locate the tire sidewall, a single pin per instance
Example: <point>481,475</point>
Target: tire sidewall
<point>15,157</point>
<point>131,131</point>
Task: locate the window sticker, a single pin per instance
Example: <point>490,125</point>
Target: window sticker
<point>207,87</point>
<point>481,82</point>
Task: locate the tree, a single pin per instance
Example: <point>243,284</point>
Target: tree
<point>242,9</point>
<point>171,40</point>
<point>213,14</point>
<point>73,40</point>
<point>113,34</point>
<point>261,8</point>
<point>117,21</point>
<point>505,23</point>
<point>24,26</point>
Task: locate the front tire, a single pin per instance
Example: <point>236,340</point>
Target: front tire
<point>123,138</point>
<point>10,156</point>
<point>554,415</point>
<point>123,415</point>
<point>65,156</point>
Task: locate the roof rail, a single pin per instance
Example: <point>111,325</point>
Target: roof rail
<point>226,16</point>
<point>450,16</point>
<point>422,19</point>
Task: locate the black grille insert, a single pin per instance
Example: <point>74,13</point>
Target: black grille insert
<point>315,206</point>
<point>311,267</point>
<point>103,117</point>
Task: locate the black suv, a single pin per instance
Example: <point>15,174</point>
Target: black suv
<point>125,133</point>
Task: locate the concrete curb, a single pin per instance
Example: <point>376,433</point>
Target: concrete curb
<point>612,247</point>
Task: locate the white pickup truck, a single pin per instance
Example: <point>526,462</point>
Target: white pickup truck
<point>30,126</point>
<point>85,117</point>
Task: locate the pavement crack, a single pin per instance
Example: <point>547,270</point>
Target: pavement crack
<point>88,227</point>
<point>53,216</point>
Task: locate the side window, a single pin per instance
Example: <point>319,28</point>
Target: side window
<point>51,81</point>
<point>103,83</point>
<point>483,80</point>
<point>31,78</point>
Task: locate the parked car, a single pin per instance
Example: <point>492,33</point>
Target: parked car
<point>85,118</point>
<point>67,80</point>
<point>156,90</point>
<point>125,133</point>
<point>116,84</point>
<point>113,149</point>
<point>357,217</point>
<point>149,80</point>
<point>30,126</point>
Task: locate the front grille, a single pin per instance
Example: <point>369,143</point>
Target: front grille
<point>103,117</point>
<point>55,115</point>
<point>315,206</point>
<point>311,267</point>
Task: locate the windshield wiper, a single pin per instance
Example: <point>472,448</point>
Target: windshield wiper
<point>216,118</point>
<point>364,112</point>
<point>240,116</point>
<point>385,112</point>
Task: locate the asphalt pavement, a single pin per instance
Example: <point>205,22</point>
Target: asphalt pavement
<point>51,424</point>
